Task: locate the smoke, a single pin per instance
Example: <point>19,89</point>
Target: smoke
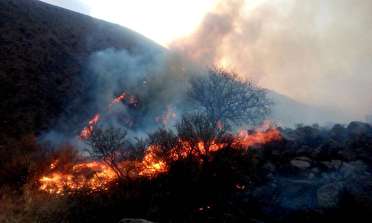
<point>316,52</point>
<point>158,80</point>
<point>155,81</point>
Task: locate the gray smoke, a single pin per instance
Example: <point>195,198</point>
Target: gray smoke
<point>156,80</point>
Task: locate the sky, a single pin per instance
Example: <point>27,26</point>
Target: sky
<point>161,20</point>
<point>316,51</point>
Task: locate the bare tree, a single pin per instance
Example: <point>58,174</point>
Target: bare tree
<point>107,145</point>
<point>200,133</point>
<point>165,141</point>
<point>163,138</point>
<point>225,98</point>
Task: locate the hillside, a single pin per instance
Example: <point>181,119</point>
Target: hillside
<point>289,112</point>
<point>43,51</point>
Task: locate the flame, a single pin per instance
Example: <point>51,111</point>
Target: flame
<point>118,99</point>
<point>88,130</point>
<point>151,164</point>
<point>91,175</point>
<point>246,140</point>
<point>96,175</point>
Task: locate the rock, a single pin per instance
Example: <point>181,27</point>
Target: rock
<point>328,195</point>
<point>270,167</point>
<point>358,128</point>
<point>333,164</point>
<point>301,162</point>
<point>296,194</point>
<point>134,220</point>
<point>315,170</point>
<point>304,149</point>
<point>361,189</point>
<point>315,152</point>
<point>338,133</point>
<point>353,169</point>
<point>311,176</point>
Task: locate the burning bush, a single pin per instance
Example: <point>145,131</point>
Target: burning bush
<point>215,172</point>
<point>108,145</point>
<point>246,175</point>
<point>196,138</point>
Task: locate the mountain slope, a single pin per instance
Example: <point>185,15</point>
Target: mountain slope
<point>289,112</point>
<point>43,51</point>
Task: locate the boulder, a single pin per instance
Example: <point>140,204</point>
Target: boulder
<point>296,194</point>
<point>333,164</point>
<point>301,162</point>
<point>329,195</point>
<point>269,167</point>
<point>358,128</point>
<point>352,170</point>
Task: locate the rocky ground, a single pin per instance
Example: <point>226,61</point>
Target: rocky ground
<point>318,171</point>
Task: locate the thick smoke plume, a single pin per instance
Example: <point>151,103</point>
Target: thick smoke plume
<point>316,52</point>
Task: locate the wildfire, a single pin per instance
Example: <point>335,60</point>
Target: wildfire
<point>96,175</point>
<point>87,131</point>
<point>151,164</point>
<point>246,140</point>
<point>118,99</point>
<point>90,175</point>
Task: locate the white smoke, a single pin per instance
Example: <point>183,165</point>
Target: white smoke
<point>316,52</point>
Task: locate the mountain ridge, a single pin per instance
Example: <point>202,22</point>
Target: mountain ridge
<point>43,51</point>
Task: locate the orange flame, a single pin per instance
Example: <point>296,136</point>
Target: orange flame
<point>246,140</point>
<point>96,175</point>
<point>151,164</point>
<point>88,130</point>
<point>91,175</point>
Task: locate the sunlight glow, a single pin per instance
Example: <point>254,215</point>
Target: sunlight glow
<point>161,20</point>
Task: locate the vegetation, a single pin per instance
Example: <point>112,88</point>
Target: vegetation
<point>265,183</point>
<point>225,98</point>
<point>109,146</point>
<point>312,175</point>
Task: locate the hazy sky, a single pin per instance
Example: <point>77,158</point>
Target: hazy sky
<point>160,20</point>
